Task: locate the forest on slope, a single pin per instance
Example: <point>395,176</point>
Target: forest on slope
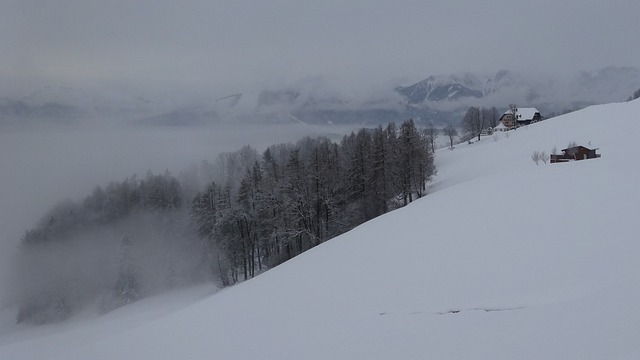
<point>142,236</point>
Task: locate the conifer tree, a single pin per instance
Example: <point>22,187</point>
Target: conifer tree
<point>127,287</point>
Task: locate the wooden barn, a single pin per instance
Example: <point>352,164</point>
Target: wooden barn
<point>575,153</point>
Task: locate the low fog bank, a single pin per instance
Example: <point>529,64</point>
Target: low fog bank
<point>223,219</point>
<point>431,98</point>
<point>100,267</point>
<point>43,165</point>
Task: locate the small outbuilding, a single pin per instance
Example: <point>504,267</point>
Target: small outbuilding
<point>500,127</point>
<point>574,153</point>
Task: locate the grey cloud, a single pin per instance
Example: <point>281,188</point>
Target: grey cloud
<point>240,44</point>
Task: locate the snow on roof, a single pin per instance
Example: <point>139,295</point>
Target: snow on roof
<point>500,126</point>
<point>526,113</point>
<point>523,113</point>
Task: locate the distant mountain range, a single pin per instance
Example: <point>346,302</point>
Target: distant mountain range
<point>436,99</point>
<point>607,85</point>
<point>22,109</point>
<point>442,88</point>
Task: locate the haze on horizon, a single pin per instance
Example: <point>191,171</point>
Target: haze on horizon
<point>233,46</point>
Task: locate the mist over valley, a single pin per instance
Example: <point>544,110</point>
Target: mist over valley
<point>338,179</point>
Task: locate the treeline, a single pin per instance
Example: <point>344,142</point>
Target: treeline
<point>104,206</point>
<point>141,236</point>
<point>294,197</point>
<point>122,242</point>
<point>476,120</point>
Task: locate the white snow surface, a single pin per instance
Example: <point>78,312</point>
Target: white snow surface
<point>524,113</point>
<point>502,260</point>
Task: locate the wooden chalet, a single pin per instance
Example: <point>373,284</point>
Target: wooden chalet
<point>522,116</point>
<point>574,153</point>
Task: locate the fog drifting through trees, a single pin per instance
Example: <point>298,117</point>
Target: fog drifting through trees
<point>143,235</point>
<point>42,165</point>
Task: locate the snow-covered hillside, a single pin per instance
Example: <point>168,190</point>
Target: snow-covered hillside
<point>503,260</point>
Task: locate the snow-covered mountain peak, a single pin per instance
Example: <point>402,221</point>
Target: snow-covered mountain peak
<point>442,88</point>
<point>503,87</point>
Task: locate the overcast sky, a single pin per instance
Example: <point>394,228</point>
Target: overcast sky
<point>239,44</point>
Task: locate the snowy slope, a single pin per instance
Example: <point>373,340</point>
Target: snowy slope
<point>504,260</point>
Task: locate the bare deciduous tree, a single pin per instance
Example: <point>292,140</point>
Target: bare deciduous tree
<point>452,133</point>
<point>474,122</point>
<point>491,116</point>
<point>544,156</point>
<point>431,133</point>
<point>536,157</point>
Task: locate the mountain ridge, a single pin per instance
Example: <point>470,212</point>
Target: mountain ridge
<point>438,99</point>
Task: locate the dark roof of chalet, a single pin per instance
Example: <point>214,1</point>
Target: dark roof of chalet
<point>579,146</point>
